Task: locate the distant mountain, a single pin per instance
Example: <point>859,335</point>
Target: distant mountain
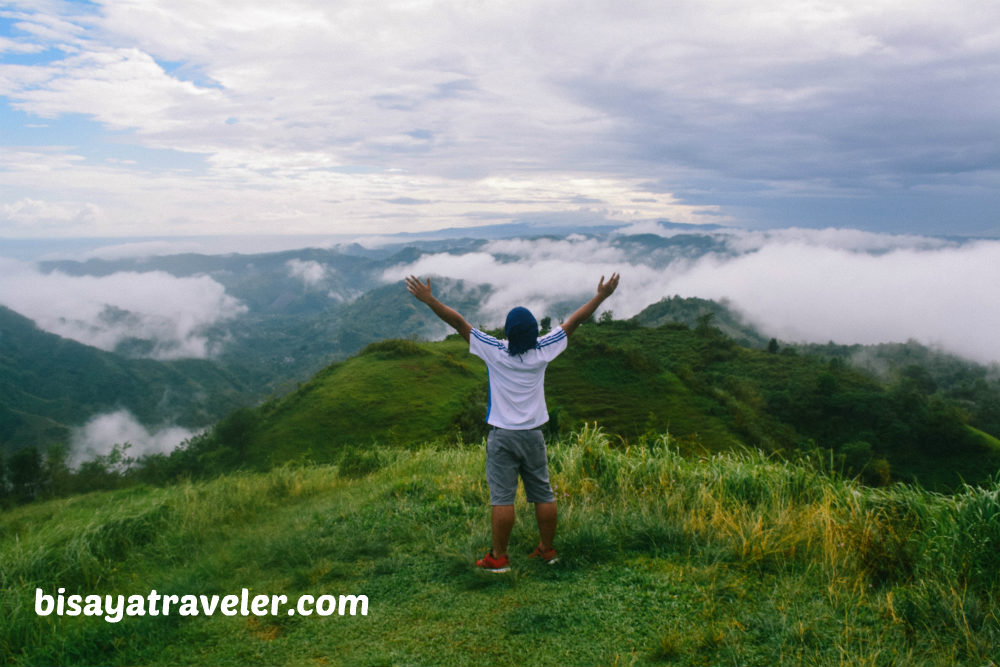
<point>49,384</point>
<point>305,308</point>
<point>694,312</point>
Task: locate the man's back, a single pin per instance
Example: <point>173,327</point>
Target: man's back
<point>517,382</point>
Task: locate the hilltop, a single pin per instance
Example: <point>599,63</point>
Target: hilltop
<point>708,392</point>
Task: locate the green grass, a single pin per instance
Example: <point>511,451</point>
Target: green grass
<point>420,388</point>
<point>987,439</point>
<point>736,558</point>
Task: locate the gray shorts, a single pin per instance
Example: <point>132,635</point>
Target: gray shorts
<point>513,453</point>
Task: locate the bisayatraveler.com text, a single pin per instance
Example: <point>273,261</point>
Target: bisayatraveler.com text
<point>113,608</point>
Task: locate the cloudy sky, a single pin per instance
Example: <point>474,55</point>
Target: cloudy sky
<point>175,117</point>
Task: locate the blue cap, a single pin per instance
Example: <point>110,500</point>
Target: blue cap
<point>522,331</point>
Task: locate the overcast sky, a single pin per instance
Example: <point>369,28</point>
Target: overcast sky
<point>170,117</point>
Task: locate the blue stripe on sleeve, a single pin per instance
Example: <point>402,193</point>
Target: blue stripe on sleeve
<point>552,338</point>
<point>488,340</point>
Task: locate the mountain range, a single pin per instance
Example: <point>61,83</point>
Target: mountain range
<point>316,315</point>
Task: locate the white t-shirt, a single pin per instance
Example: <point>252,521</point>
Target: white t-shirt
<point>517,383</point>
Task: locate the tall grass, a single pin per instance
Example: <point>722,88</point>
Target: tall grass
<point>768,510</point>
<point>929,562</point>
<point>737,557</point>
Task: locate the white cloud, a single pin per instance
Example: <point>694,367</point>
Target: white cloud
<point>145,97</point>
<point>102,432</point>
<point>309,112</point>
<point>860,288</point>
<point>11,46</point>
<point>33,214</point>
<point>103,311</point>
<point>310,272</point>
<point>539,274</point>
<point>943,297</point>
<point>141,249</point>
<point>834,238</point>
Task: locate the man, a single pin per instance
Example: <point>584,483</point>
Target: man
<point>515,446</point>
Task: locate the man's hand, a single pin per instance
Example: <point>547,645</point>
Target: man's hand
<point>423,292</point>
<point>420,290</point>
<point>604,290</point>
<point>586,311</point>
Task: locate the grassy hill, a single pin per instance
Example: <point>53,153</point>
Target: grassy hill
<point>729,559</point>
<point>699,385</point>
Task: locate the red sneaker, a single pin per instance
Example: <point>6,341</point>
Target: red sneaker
<point>492,564</point>
<point>548,556</point>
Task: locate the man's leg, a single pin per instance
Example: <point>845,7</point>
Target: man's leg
<point>501,475</point>
<point>545,514</point>
<point>535,473</point>
<point>503,524</point>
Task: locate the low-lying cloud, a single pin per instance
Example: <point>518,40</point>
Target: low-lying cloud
<point>171,314</point>
<point>945,297</point>
<point>798,285</point>
<point>103,432</point>
<point>310,272</point>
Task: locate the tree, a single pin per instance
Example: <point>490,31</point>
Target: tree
<point>56,476</point>
<point>917,378</point>
<point>237,430</point>
<point>705,326</point>
<point>25,471</point>
<point>4,493</point>
<point>106,471</point>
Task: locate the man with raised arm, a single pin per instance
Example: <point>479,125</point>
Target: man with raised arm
<point>515,446</point>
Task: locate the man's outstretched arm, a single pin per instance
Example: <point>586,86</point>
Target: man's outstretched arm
<point>586,311</point>
<point>450,316</point>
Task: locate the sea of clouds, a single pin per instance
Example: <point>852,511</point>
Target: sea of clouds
<point>103,311</point>
<point>799,285</point>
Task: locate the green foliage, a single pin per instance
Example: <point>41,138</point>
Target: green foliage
<point>355,462</point>
<point>930,418</point>
<point>973,387</point>
<point>397,392</point>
